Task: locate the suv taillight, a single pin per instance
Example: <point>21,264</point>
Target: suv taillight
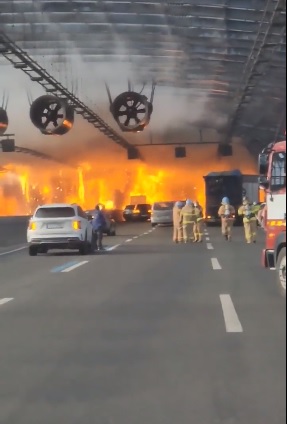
<point>76,225</point>
<point>32,226</point>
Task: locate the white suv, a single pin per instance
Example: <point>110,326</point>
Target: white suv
<point>59,226</point>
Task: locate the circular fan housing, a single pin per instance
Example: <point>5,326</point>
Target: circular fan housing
<point>3,121</point>
<point>51,115</point>
<point>132,111</point>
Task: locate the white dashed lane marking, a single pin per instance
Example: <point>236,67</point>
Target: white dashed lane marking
<point>109,249</point>
<point>129,240</point>
<point>5,300</point>
<point>209,246</point>
<point>71,268</point>
<point>215,264</point>
<point>232,323</point>
<point>13,251</point>
<point>207,238</point>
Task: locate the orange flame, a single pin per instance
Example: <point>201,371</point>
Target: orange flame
<point>112,183</point>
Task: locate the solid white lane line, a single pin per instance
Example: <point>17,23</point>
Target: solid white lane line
<point>129,240</point>
<point>13,251</point>
<point>71,268</point>
<point>109,249</point>
<point>6,300</point>
<point>232,323</point>
<point>215,264</point>
<point>207,238</point>
<point>209,246</point>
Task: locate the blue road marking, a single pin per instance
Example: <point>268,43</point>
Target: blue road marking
<point>64,266</point>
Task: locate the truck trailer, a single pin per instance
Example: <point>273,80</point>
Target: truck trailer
<point>231,184</point>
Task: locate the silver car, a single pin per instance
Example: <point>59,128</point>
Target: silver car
<point>162,213</point>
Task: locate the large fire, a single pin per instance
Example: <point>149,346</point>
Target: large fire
<point>113,183</point>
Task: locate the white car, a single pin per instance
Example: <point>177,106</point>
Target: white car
<point>162,213</point>
<point>59,226</point>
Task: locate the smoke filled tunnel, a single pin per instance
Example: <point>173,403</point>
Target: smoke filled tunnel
<point>124,102</point>
<point>217,70</point>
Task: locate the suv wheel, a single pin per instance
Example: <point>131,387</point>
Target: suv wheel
<point>84,248</point>
<point>33,251</point>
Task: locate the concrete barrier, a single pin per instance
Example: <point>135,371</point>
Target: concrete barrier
<point>13,230</point>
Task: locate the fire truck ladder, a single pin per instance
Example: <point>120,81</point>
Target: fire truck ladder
<point>21,60</point>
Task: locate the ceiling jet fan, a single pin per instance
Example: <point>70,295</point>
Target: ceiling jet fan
<point>131,110</point>
<point>52,115</point>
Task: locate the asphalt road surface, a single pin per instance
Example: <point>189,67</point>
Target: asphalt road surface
<point>148,332</point>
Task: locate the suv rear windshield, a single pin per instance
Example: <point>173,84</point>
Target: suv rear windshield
<point>163,206</point>
<point>130,207</point>
<point>64,212</point>
<point>143,206</point>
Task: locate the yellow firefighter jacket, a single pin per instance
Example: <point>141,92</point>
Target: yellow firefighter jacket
<point>226,212</point>
<point>248,212</point>
<point>176,216</point>
<point>189,215</point>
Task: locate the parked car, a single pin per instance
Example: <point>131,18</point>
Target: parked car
<point>140,212</point>
<point>110,228</point>
<point>59,226</point>
<point>162,213</point>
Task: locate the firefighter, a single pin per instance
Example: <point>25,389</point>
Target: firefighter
<point>198,226</point>
<point>226,213</point>
<point>177,226</point>
<point>188,217</point>
<point>249,220</point>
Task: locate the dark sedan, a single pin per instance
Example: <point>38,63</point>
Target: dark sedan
<point>140,212</point>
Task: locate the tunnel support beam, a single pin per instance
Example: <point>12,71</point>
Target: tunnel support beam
<point>21,60</point>
<point>256,56</point>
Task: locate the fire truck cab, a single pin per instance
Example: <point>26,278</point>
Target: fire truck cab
<point>272,171</point>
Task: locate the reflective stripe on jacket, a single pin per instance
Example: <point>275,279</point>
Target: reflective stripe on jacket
<point>189,215</point>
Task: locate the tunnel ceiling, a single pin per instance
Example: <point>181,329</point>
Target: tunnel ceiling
<point>232,51</point>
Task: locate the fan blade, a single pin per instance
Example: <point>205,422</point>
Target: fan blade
<point>141,110</point>
<point>45,124</point>
<point>58,107</point>
<point>60,116</point>
<point>55,123</point>
<point>127,121</point>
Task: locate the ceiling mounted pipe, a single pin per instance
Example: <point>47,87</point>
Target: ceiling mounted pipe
<point>132,111</point>
<point>3,121</point>
<point>51,115</point>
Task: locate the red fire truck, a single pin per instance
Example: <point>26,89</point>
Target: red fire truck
<point>272,171</point>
